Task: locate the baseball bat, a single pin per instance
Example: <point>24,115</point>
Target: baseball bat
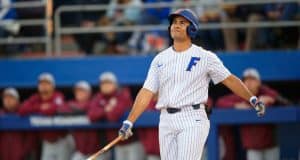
<point>105,148</point>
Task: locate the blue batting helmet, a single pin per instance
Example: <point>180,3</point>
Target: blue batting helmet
<point>191,17</point>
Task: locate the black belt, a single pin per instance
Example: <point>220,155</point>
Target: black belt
<point>175,110</point>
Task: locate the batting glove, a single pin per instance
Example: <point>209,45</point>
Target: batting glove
<point>258,106</point>
<point>125,130</point>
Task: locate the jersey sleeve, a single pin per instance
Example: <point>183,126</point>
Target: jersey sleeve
<point>151,83</point>
<point>216,70</point>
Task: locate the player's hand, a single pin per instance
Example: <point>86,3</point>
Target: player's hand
<point>259,106</point>
<point>125,130</point>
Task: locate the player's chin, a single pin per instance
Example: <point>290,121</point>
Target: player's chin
<point>177,36</point>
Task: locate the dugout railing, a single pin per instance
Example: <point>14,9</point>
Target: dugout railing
<point>46,22</point>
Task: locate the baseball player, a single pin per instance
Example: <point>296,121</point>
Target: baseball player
<point>180,75</point>
<point>14,145</point>
<point>48,102</point>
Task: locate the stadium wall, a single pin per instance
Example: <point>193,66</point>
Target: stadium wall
<point>273,66</point>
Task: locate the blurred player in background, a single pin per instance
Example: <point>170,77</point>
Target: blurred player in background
<point>258,140</point>
<point>86,141</point>
<point>14,145</point>
<point>48,102</point>
<point>110,104</point>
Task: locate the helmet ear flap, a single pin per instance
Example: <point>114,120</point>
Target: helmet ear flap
<point>192,31</point>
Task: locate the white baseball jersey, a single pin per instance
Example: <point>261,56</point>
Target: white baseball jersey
<point>182,78</point>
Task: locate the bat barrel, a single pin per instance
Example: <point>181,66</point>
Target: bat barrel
<point>105,148</point>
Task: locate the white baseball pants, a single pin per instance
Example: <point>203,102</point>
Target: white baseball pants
<point>182,135</point>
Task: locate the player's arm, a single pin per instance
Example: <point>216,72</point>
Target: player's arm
<point>239,88</point>
<point>141,102</point>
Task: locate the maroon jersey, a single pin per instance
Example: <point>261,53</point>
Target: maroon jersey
<point>33,105</point>
<point>86,141</point>
<point>253,136</point>
<point>111,108</point>
<point>16,145</point>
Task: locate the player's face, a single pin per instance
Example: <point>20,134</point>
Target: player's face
<point>45,87</point>
<point>108,87</point>
<point>82,95</point>
<point>178,28</point>
<point>9,102</point>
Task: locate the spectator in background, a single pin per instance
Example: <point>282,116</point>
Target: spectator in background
<point>258,140</point>
<point>14,145</point>
<point>154,40</point>
<point>86,141</point>
<point>86,42</point>
<point>31,13</point>
<point>129,15</point>
<point>148,42</point>
<point>281,11</point>
<point>7,17</point>
<point>9,27</point>
<point>155,15</point>
<point>149,137</point>
<point>118,41</point>
<point>110,104</point>
<point>281,37</point>
<point>234,38</point>
<point>211,39</point>
<point>48,102</point>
